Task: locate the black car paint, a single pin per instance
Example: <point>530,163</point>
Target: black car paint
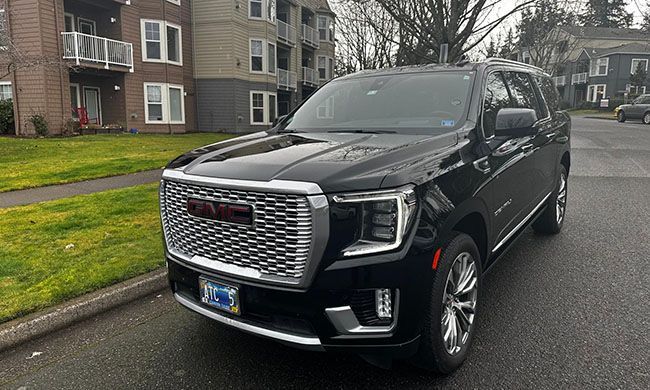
<point>455,191</point>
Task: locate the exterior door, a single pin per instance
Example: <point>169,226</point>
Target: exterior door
<point>87,26</point>
<point>93,105</point>
<point>74,101</point>
<point>508,164</point>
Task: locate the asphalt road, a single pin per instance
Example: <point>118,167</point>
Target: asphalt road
<point>569,311</point>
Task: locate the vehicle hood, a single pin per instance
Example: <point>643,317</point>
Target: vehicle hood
<point>335,161</point>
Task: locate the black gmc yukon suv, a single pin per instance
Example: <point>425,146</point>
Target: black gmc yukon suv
<point>364,220</point>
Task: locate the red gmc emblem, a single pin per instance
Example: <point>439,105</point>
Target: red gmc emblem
<point>241,214</point>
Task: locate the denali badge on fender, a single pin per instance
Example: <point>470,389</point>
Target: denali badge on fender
<point>241,214</point>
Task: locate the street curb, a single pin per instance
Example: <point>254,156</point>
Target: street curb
<point>39,324</point>
<point>600,117</point>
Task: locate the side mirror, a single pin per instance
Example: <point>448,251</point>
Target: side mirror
<point>515,122</point>
<point>278,120</point>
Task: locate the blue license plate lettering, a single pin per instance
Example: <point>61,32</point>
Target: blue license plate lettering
<point>219,296</point>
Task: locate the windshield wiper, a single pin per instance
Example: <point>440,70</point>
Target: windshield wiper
<point>362,131</point>
<point>285,131</point>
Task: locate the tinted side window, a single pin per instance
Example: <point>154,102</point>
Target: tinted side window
<point>522,91</point>
<point>550,93</point>
<point>496,98</point>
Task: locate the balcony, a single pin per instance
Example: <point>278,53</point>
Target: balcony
<point>560,81</point>
<point>310,36</point>
<point>287,80</point>
<point>286,33</point>
<point>579,78</point>
<point>309,76</point>
<point>103,51</point>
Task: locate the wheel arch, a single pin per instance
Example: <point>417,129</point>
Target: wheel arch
<point>470,218</point>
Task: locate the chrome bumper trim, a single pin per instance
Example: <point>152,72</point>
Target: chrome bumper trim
<point>345,321</point>
<point>304,342</point>
<point>276,186</point>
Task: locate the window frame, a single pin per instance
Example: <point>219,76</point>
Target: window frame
<point>598,65</point>
<point>88,21</point>
<point>628,89</point>
<point>263,55</point>
<point>328,28</point>
<point>633,68</point>
<point>266,109</point>
<point>165,102</point>
<point>268,57</point>
<point>7,83</point>
<point>164,55</point>
<point>180,43</point>
<point>328,74</point>
<point>262,8</point>
<point>4,24</point>
<point>72,21</point>
<point>595,88</point>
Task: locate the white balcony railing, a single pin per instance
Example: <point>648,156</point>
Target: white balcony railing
<point>84,47</point>
<point>579,78</point>
<point>309,76</point>
<point>560,81</point>
<point>310,36</point>
<point>287,79</point>
<point>286,32</point>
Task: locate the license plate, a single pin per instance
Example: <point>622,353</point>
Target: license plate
<point>220,296</point>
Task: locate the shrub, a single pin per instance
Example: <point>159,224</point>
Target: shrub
<point>7,125</point>
<point>71,127</point>
<point>40,124</point>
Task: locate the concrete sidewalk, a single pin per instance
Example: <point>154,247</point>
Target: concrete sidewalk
<point>41,194</point>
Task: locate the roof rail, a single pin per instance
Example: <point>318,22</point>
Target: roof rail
<point>511,62</point>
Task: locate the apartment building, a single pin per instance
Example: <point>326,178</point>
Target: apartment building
<point>257,59</point>
<point>597,63</point>
<point>122,62</point>
<point>164,65</point>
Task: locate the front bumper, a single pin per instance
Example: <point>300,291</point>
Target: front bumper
<point>299,317</point>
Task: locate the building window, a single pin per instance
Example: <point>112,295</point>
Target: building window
<point>596,92</point>
<point>264,108</point>
<point>598,67</point>
<point>271,57</point>
<point>255,9</point>
<point>154,33</point>
<point>5,90</point>
<point>636,62</point>
<point>68,19</point>
<point>3,29</point>
<point>87,26</point>
<point>325,67</point>
<point>270,8</point>
<point>325,28</point>
<point>152,48</point>
<point>173,43</point>
<point>164,103</point>
<point>635,89</point>
<point>257,55</point>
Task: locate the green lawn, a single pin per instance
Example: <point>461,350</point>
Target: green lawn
<point>110,236</point>
<point>37,162</point>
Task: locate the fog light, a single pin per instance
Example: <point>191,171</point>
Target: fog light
<point>384,303</point>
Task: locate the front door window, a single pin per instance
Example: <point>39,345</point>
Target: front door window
<point>93,105</point>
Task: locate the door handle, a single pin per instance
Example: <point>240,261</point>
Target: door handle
<point>482,165</point>
<point>551,135</point>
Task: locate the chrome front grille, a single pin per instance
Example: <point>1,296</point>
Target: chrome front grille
<point>278,243</point>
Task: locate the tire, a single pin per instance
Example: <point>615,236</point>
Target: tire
<point>434,350</point>
<point>620,116</point>
<point>552,219</point>
<point>646,118</point>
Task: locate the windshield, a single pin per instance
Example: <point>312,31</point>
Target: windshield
<point>413,103</point>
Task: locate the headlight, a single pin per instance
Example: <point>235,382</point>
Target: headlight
<point>383,217</point>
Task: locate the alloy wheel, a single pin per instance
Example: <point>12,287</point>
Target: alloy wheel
<point>646,118</point>
<point>459,302</point>
<point>560,207</point>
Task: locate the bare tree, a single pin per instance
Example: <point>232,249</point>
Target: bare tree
<point>424,25</point>
<point>14,58</point>
<point>365,36</point>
